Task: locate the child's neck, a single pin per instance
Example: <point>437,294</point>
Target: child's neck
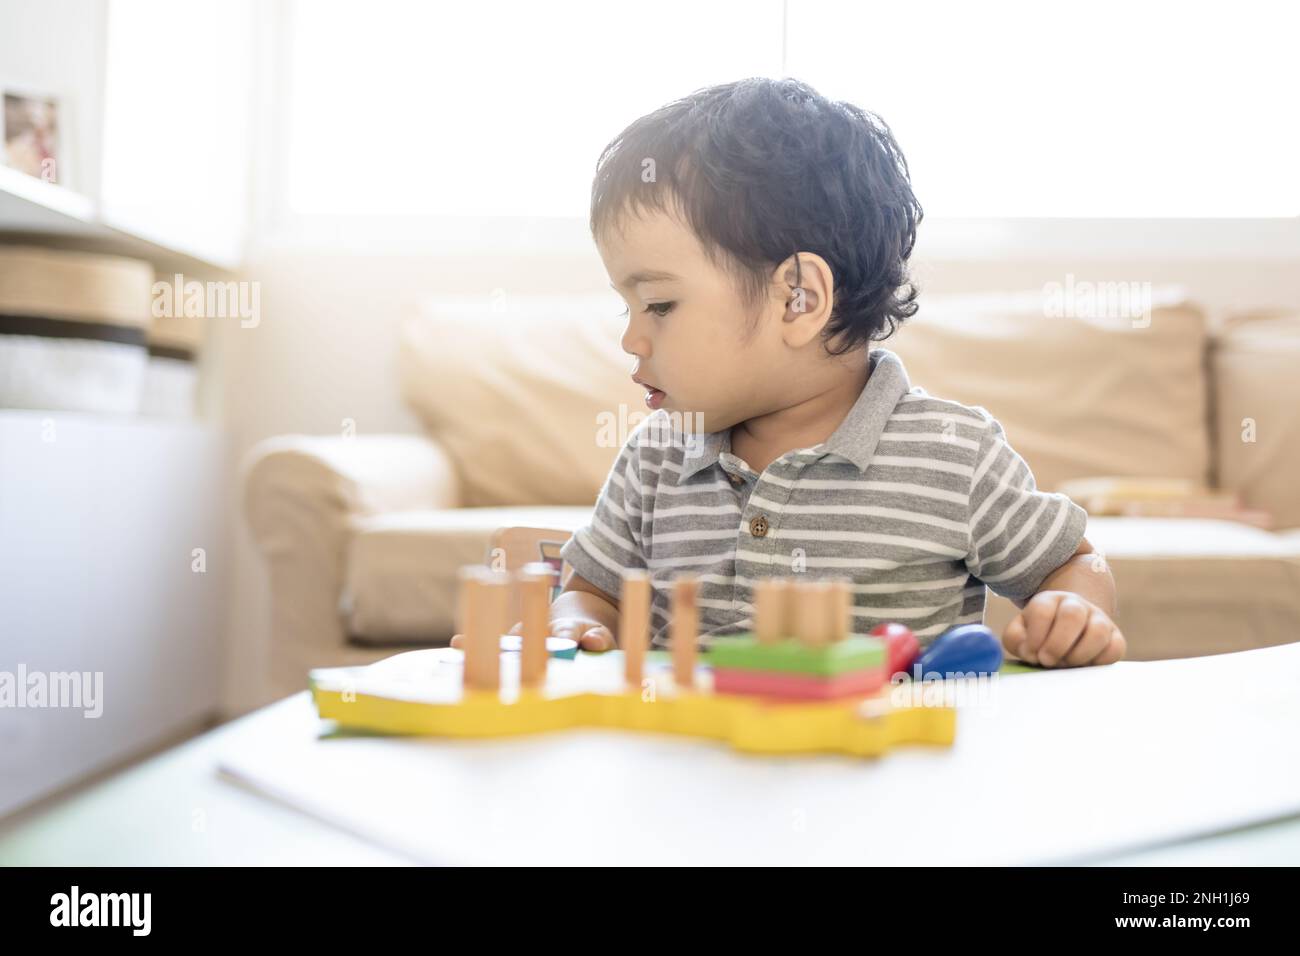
<point>761,440</point>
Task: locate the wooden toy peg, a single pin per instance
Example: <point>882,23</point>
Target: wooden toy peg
<point>534,581</point>
<point>685,629</point>
<point>467,577</point>
<point>812,600</point>
<point>790,612</point>
<point>770,598</point>
<point>484,601</point>
<point>634,624</point>
<point>841,608</point>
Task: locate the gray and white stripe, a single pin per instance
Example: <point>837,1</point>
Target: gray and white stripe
<point>919,500</point>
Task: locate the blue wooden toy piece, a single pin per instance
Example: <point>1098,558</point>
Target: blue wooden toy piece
<point>960,651</point>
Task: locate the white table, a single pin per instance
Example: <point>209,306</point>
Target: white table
<point>1192,761</point>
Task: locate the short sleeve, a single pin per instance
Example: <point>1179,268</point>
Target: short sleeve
<point>612,542</point>
<point>1018,534</point>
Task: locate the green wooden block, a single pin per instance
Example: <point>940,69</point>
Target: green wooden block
<point>794,657</point>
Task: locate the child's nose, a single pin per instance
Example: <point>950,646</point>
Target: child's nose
<point>635,341</point>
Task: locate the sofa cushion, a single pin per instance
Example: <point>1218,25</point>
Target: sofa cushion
<point>1255,359</point>
<point>1186,587</point>
<point>531,395</point>
<point>1080,395</point>
<point>401,568</point>
<point>1189,587</point>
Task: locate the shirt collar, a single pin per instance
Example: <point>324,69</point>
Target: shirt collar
<point>701,451</point>
<point>856,437</point>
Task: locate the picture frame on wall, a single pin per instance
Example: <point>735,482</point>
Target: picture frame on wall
<point>34,134</point>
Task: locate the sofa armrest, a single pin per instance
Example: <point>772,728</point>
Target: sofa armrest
<point>301,497</point>
<point>344,476</point>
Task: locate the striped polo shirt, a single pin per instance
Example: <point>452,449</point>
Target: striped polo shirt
<point>920,501</point>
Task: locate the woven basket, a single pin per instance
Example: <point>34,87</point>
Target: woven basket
<point>73,330</point>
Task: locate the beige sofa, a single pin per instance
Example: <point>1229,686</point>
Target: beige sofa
<point>526,401</point>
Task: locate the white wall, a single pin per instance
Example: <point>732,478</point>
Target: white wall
<point>57,47</point>
<point>177,120</point>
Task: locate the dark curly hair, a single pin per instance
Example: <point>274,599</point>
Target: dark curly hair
<point>762,169</point>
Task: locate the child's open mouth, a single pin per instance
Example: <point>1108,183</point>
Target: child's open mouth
<point>654,397</point>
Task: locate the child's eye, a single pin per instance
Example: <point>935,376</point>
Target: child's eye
<point>656,306</point>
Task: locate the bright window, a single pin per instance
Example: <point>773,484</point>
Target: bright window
<point>1004,109</point>
<point>1105,108</point>
<point>492,108</point>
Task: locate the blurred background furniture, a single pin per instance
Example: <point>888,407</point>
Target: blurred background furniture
<point>363,535</point>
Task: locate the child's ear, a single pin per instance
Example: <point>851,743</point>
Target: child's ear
<point>807,285</point>
<point>801,299</point>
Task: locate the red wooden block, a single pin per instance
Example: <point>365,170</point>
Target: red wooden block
<point>797,686</point>
<point>901,645</point>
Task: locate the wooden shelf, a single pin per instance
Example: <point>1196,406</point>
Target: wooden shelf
<point>28,204</point>
<point>49,214</point>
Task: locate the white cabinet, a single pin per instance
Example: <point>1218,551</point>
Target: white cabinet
<point>114,558</point>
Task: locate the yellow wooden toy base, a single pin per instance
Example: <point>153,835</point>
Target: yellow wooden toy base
<point>419,693</point>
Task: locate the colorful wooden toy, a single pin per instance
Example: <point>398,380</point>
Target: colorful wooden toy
<point>793,657</point>
<point>589,692</point>
<point>818,660</point>
<point>771,692</point>
<point>901,644</point>
<point>685,629</point>
<point>797,686</point>
<point>634,624</point>
<point>959,652</point>
<point>483,605</point>
<point>534,582</point>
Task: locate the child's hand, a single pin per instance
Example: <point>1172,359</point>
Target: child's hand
<point>594,635</point>
<point>590,635</point>
<point>1062,629</point>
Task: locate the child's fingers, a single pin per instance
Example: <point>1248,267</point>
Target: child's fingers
<point>1070,624</point>
<point>1115,650</point>
<point>574,628</point>
<point>1038,615</point>
<point>597,639</point>
<point>457,640</point>
<point>1014,636</point>
<point>1095,639</point>
<point>565,629</point>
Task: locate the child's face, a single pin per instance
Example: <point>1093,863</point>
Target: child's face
<point>694,341</point>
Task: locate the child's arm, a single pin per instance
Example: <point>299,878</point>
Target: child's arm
<point>610,545</point>
<point>1087,575</point>
<point>1067,623</point>
<point>1029,547</point>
